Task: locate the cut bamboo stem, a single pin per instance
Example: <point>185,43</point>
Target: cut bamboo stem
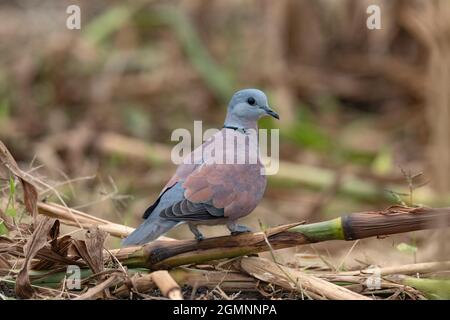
<point>169,288</point>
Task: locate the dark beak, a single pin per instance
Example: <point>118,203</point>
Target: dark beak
<point>271,113</point>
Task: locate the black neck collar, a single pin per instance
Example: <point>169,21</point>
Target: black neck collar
<point>235,128</point>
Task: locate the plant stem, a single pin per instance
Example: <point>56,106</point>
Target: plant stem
<point>162,254</point>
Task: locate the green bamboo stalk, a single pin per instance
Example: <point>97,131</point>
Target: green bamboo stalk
<point>52,279</point>
<point>322,231</point>
<point>436,289</point>
<point>162,254</point>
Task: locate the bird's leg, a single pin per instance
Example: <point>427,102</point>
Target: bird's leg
<point>237,228</point>
<point>198,235</point>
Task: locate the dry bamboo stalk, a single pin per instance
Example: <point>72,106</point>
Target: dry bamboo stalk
<point>360,284</point>
<point>351,279</point>
<point>428,23</point>
<point>109,228</point>
<point>229,281</point>
<point>56,211</point>
<point>113,143</point>
<point>85,220</point>
<point>414,268</point>
<point>292,279</point>
<point>51,206</point>
<point>169,288</point>
<point>140,283</point>
<point>166,254</point>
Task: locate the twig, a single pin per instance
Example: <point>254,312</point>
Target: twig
<point>98,288</point>
<point>347,254</point>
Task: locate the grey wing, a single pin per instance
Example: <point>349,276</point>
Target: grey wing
<point>186,210</point>
<point>154,225</point>
<point>172,205</point>
<point>170,196</point>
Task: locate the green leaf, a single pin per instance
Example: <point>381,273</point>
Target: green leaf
<point>137,121</point>
<point>3,229</point>
<point>5,110</point>
<point>107,23</point>
<point>12,187</point>
<point>11,212</point>
<point>382,164</point>
<point>306,132</point>
<point>406,248</point>
<point>214,75</point>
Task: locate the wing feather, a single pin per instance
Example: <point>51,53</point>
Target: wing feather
<point>236,188</point>
<point>213,191</point>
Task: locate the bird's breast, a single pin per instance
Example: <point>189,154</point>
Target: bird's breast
<point>232,147</point>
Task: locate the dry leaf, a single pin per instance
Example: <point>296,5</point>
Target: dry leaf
<point>91,250</point>
<point>30,193</point>
<point>6,221</point>
<point>49,259</point>
<point>57,254</point>
<point>37,241</point>
<point>95,239</point>
<point>4,264</point>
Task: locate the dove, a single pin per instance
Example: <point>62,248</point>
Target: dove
<point>218,182</point>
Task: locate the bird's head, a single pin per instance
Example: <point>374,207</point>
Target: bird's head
<point>250,105</point>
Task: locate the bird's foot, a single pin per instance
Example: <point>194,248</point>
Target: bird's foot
<point>198,235</point>
<point>236,229</point>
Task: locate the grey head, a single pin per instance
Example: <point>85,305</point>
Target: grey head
<point>246,107</point>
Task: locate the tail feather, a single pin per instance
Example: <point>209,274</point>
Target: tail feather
<point>148,231</point>
<point>155,226</point>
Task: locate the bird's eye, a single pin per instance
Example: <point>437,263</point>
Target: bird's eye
<point>251,101</point>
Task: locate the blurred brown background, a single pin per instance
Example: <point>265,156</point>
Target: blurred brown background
<point>363,112</point>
